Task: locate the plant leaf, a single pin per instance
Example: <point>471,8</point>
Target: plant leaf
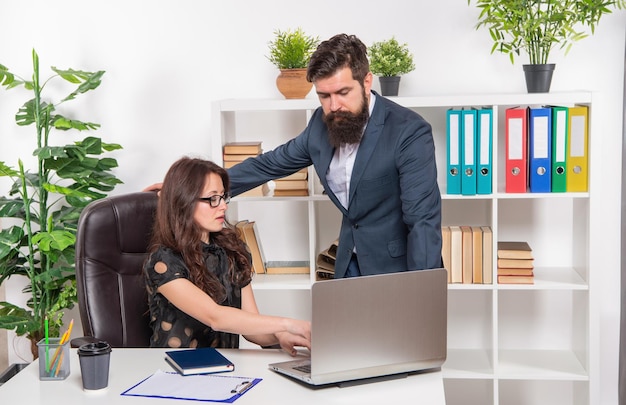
<point>54,240</point>
<point>64,124</point>
<point>7,171</point>
<point>6,78</point>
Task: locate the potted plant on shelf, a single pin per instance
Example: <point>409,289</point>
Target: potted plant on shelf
<point>43,204</point>
<point>389,60</point>
<point>290,51</point>
<point>537,27</point>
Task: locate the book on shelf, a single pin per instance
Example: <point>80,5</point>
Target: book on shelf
<point>258,191</point>
<point>466,254</point>
<point>515,263</point>
<point>291,184</point>
<point>516,280</point>
<point>287,267</point>
<point>204,360</point>
<point>514,250</point>
<point>487,255</point>
<point>228,165</point>
<point>291,193</point>
<point>301,174</point>
<point>238,158</point>
<point>515,272</point>
<point>243,148</point>
<point>249,234</point>
<point>477,255</point>
<point>456,254</point>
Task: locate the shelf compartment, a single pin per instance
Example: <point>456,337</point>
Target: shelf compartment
<point>463,392</point>
<point>543,392</point>
<point>543,332</point>
<point>551,278</point>
<point>281,282</point>
<point>470,320</point>
<point>468,363</point>
<point>540,365</point>
<point>556,230</point>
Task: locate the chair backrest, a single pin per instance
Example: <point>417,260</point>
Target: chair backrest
<point>111,246</point>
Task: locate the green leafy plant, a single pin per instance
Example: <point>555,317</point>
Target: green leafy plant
<point>390,58</point>
<point>538,26</point>
<point>45,203</point>
<point>292,49</point>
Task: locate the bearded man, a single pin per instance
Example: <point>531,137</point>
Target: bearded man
<point>375,159</point>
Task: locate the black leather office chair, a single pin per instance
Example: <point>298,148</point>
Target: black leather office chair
<point>111,246</point>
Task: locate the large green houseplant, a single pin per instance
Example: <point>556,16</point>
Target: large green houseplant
<point>290,52</point>
<point>389,60</point>
<point>43,204</point>
<point>536,27</point>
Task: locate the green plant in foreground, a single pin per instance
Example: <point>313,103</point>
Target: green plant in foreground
<point>47,201</point>
<point>390,58</point>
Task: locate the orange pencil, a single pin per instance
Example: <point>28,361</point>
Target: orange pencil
<point>63,340</point>
<point>56,371</point>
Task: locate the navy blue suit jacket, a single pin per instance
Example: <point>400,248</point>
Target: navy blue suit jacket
<point>394,213</point>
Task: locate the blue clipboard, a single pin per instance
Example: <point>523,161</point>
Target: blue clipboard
<point>197,387</point>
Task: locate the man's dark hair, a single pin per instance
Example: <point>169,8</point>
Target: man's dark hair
<point>338,52</point>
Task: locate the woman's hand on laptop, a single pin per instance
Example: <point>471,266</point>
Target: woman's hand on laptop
<point>298,334</point>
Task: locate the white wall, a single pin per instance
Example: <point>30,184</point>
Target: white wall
<point>167,60</point>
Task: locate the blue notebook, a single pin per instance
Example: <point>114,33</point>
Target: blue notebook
<point>198,361</point>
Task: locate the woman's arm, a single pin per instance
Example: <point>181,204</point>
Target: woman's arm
<point>260,329</point>
<point>288,341</point>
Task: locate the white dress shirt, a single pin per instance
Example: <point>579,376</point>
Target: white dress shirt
<point>340,169</point>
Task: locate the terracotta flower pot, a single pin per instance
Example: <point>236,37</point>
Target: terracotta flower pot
<point>292,83</point>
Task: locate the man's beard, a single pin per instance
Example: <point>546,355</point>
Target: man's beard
<point>345,127</point>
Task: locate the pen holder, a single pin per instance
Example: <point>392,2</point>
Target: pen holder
<point>54,359</point>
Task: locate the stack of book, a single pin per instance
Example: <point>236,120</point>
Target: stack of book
<point>296,184</point>
<point>515,263</point>
<point>237,152</point>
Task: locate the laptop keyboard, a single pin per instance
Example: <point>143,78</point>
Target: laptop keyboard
<point>305,368</point>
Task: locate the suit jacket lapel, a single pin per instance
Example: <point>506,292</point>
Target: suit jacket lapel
<point>368,143</point>
<point>326,155</point>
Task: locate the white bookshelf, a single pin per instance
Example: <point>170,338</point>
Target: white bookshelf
<point>507,344</point>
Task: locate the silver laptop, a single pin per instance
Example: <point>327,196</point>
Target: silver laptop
<point>374,327</point>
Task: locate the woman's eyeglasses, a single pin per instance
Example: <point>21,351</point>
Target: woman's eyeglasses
<point>215,200</point>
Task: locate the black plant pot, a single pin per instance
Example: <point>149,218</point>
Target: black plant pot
<point>389,85</point>
<point>538,77</point>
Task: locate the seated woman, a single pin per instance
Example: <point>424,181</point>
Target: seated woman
<point>198,272</point>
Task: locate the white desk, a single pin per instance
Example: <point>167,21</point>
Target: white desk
<point>130,366</point>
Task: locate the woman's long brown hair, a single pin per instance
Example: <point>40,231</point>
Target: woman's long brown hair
<point>176,228</point>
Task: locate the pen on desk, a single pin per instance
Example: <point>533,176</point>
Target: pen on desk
<point>47,341</point>
<point>241,388</point>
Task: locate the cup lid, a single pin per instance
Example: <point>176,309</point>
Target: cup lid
<point>92,349</point>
